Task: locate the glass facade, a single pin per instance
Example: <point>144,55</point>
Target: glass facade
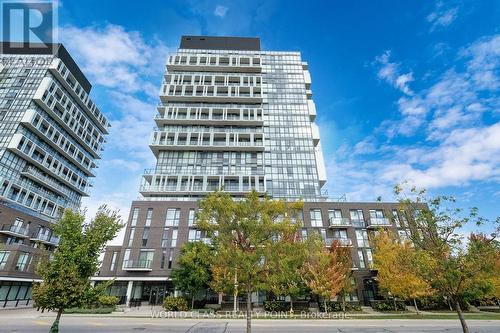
<point>235,121</point>
<point>51,135</point>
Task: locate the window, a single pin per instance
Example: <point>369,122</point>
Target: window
<point>361,259</point>
<point>395,217</point>
<point>145,236</point>
<point>369,257</point>
<point>174,238</point>
<point>148,217</point>
<point>303,233</point>
<point>126,257</point>
<point>170,258</point>
<point>146,258</point>
<point>22,261</point>
<point>316,219</point>
<point>403,235</point>
<point>357,218</point>
<point>191,217</point>
<point>334,214</point>
<point>194,235</point>
<point>163,259</point>
<point>362,238</point>
<point>135,215</point>
<point>376,214</point>
<point>4,255</point>
<point>322,232</point>
<point>164,237</point>
<point>113,261</point>
<point>172,218</point>
<point>131,236</point>
<point>340,234</point>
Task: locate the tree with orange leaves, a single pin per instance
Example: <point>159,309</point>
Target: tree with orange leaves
<point>326,270</point>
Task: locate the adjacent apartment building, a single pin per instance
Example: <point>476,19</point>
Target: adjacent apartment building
<point>51,136</point>
<point>233,117</point>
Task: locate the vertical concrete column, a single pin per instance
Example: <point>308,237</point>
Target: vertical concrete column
<point>129,291</point>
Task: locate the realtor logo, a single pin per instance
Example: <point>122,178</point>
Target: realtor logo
<point>27,25</point>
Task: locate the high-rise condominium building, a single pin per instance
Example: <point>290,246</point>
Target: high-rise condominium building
<point>233,117</point>
<point>236,118</point>
<point>51,135</point>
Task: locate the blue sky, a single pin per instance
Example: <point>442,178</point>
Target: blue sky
<point>404,89</point>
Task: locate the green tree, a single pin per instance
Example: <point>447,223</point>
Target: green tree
<point>285,261</point>
<point>243,232</point>
<point>66,277</point>
<point>396,263</point>
<point>327,269</point>
<point>461,268</point>
<point>192,273</point>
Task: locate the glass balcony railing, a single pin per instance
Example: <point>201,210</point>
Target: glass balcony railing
<point>379,222</point>
<point>339,241</point>
<point>15,230</point>
<point>45,238</point>
<point>339,222</point>
<point>137,264</point>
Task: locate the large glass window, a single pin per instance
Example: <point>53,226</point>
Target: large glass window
<point>4,255</point>
<point>146,258</point>
<point>149,216</point>
<point>22,261</point>
<point>361,259</point>
<point>369,257</point>
<point>145,236</point>
<point>131,236</point>
<point>172,218</point>
<point>126,258</point>
<point>316,218</point>
<point>362,238</point>
<point>174,238</point>
<point>135,215</point>
<point>113,261</point>
<point>357,218</point>
<point>191,217</point>
<point>164,237</point>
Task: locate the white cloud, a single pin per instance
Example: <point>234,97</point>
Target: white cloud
<point>220,11</point>
<point>442,15</point>
<point>390,72</point>
<point>452,121</point>
<point>127,69</point>
<point>113,57</point>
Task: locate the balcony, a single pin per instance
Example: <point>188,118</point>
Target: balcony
<point>14,230</point>
<point>214,63</point>
<point>137,265</point>
<point>343,242</point>
<point>358,223</point>
<point>378,222</point>
<point>64,76</point>
<point>339,222</point>
<point>45,238</point>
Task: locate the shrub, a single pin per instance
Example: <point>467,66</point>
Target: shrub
<point>172,303</point>
<point>388,305</point>
<point>105,301</point>
<point>277,306</point>
<point>336,306</point>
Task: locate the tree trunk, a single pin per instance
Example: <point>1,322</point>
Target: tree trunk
<point>55,326</point>
<point>343,303</point>
<point>291,304</point>
<point>416,307</point>
<point>324,302</point>
<point>465,328</point>
<point>192,302</point>
<point>249,310</point>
